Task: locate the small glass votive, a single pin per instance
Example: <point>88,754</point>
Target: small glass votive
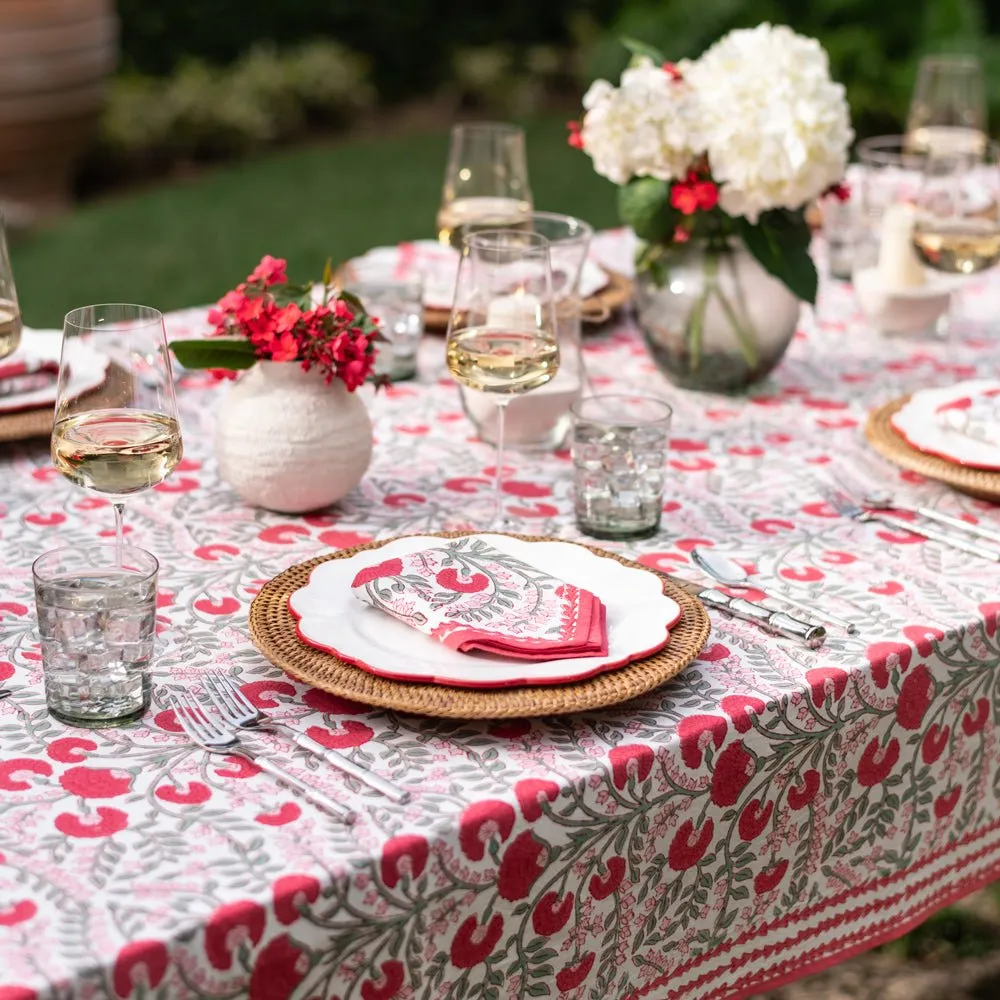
<point>619,449</point>
<point>97,621</point>
<point>399,308</point>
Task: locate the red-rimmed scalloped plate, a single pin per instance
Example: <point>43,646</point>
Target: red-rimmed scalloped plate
<point>87,369</point>
<point>332,619</point>
<point>953,423</point>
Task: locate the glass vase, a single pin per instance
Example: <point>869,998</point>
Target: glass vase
<point>714,319</point>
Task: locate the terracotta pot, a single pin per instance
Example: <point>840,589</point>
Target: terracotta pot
<point>287,441</point>
<point>55,59</point>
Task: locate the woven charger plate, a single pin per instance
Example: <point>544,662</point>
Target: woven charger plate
<point>887,442</point>
<point>272,628</point>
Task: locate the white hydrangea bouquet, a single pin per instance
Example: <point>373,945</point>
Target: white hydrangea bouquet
<point>738,142</point>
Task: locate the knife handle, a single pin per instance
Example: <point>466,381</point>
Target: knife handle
<point>773,621</point>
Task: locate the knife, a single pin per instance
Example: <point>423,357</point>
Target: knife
<point>777,622</point>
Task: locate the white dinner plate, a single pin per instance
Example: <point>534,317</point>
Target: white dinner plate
<point>437,265</point>
<point>332,619</point>
<point>87,368</point>
<point>932,422</point>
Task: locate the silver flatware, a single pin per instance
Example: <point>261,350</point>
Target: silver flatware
<point>847,507</point>
<point>239,711</point>
<point>731,574</point>
<point>883,500</point>
<point>214,737</point>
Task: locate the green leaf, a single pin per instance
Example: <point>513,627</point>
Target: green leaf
<point>230,353</point>
<point>780,242</point>
<point>644,204</point>
<point>639,48</point>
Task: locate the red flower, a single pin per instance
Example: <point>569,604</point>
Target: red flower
<point>473,942</point>
<point>923,637</point>
<point>738,707</point>
<point>946,802</point>
<point>18,913</point>
<point>194,794</point>
<point>884,656</point>
<point>278,970</point>
<point>390,567</point>
<point>801,795</point>
<point>754,820</point>
<point>573,975</point>
<point>841,192</point>
<point>405,854</point>
<point>575,138</point>
<point>530,792</point>
<point>767,880</point>
<point>877,762</point>
<point>390,979</point>
<point>70,749</point>
<point>270,270</point>
<point>734,768</point>
<point>601,888</point>
<point>673,72</point>
<point>935,740</point>
<point>350,734</point>
<point>291,893</point>
<point>684,852</point>
<point>817,679</point>
<point>915,697</point>
<point>991,616</point>
<point>109,821</point>
<point>9,769</point>
<point>521,865</point>
<point>971,724</point>
<point>140,961</point>
<point>550,915</point>
<point>695,732</point>
<point>449,579</point>
<point>694,195</point>
<point>96,782</point>
<point>229,926</point>
<point>482,820</point>
<point>633,759</point>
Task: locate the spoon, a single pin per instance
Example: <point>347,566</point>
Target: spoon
<point>731,574</point>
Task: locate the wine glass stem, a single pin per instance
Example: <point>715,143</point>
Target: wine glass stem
<point>119,506</point>
<point>498,518</point>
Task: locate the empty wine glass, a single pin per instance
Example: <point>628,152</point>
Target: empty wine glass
<point>10,313</point>
<point>501,333</point>
<point>123,438</point>
<point>485,182</point>
<point>948,110</point>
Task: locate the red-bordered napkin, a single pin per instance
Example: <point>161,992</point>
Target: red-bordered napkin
<point>26,373</point>
<point>475,598</point>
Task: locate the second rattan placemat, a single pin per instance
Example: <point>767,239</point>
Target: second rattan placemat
<point>891,445</point>
<point>272,628</point>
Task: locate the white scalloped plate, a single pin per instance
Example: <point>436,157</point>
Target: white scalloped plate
<point>331,618</point>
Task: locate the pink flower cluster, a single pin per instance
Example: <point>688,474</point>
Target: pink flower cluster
<point>283,324</point>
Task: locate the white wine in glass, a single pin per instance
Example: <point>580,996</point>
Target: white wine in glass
<point>10,312</point>
<point>125,437</point>
<point>502,337</point>
<point>948,111</point>
<point>957,223</point>
<point>485,183</point>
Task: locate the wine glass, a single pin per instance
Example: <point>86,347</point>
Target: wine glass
<point>123,438</point>
<point>956,227</point>
<point>948,110</point>
<point>485,182</point>
<point>501,333</point>
<point>10,312</point>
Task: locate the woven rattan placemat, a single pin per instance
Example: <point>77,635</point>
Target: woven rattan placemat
<point>272,628</point>
<point>891,445</point>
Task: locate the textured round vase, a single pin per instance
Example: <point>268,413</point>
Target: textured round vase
<point>714,319</point>
<point>287,441</point>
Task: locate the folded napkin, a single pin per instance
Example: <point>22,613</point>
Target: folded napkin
<point>475,598</point>
<point>22,373</point>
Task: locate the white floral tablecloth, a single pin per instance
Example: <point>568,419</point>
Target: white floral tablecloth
<point>771,811</point>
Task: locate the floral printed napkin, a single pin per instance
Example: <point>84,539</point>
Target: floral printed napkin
<point>22,373</point>
<point>475,598</point>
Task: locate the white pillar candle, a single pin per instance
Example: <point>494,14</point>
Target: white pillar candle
<point>898,264</point>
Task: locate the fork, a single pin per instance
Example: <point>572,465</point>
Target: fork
<point>239,711</point>
<point>215,738</point>
<point>846,507</point>
<point>883,500</point>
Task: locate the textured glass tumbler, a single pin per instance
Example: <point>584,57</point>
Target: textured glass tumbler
<point>97,622</point>
<point>619,452</point>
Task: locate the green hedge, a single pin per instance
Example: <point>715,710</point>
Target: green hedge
<point>411,43</point>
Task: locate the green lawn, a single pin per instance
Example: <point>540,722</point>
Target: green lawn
<point>186,242</point>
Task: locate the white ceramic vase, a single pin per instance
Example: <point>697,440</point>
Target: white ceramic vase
<point>287,441</point>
